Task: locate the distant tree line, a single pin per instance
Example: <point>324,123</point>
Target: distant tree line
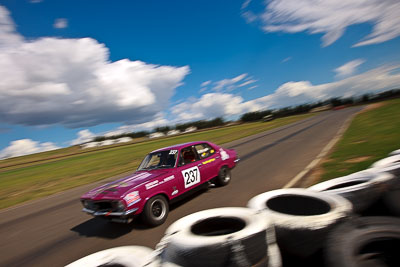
<point>258,115</point>
<point>334,102</point>
<point>131,135</point>
<point>201,124</point>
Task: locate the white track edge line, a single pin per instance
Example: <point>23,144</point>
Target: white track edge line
<point>323,153</point>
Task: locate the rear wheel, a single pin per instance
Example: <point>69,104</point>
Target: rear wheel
<point>156,210</point>
<point>224,176</point>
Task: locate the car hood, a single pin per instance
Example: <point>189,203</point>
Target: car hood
<point>117,189</point>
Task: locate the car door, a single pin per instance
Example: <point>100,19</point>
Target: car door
<point>208,160</point>
<point>189,171</point>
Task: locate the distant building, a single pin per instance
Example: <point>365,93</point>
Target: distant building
<point>173,132</point>
<point>90,145</point>
<point>321,108</point>
<point>107,142</point>
<point>156,134</point>
<point>123,140</point>
<point>190,129</point>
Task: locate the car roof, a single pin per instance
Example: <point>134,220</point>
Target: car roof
<point>179,146</point>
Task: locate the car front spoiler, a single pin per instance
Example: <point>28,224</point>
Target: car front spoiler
<point>108,213</point>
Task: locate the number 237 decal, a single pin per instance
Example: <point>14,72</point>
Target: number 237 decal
<point>191,176</point>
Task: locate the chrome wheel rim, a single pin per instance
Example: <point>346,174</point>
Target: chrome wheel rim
<point>226,176</point>
<point>158,209</point>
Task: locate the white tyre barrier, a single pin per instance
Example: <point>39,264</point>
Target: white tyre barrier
<point>395,152</point>
<point>361,189</point>
<point>302,217</point>
<point>127,256</point>
<point>393,169</point>
<point>385,162</point>
<point>221,237</point>
<point>364,241</point>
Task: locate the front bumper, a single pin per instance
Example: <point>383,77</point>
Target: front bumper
<point>109,213</point>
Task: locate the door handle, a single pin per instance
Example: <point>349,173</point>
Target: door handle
<point>217,157</point>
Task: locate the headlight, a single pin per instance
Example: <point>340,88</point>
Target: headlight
<point>120,206</point>
<point>85,204</point>
<point>132,198</point>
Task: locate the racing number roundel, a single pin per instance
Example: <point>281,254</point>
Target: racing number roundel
<point>191,176</point>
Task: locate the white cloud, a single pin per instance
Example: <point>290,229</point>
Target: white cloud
<point>288,94</point>
<point>332,17</point>
<point>295,93</point>
<point>83,137</point>
<point>228,83</point>
<point>60,23</point>
<point>35,1</point>
<point>247,83</point>
<point>8,36</point>
<point>245,4</point>
<point>203,84</point>
<point>72,82</point>
<point>249,16</point>
<point>210,106</point>
<point>202,90</point>
<point>159,120</point>
<point>24,147</point>
<point>286,59</point>
<point>349,68</point>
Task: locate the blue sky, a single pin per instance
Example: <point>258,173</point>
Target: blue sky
<point>75,69</point>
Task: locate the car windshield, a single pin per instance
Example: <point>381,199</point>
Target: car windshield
<point>159,160</point>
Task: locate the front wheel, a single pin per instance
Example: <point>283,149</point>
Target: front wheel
<point>224,176</point>
<point>156,211</point>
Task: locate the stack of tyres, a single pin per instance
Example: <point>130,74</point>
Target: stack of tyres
<point>302,217</point>
<point>362,189</point>
<point>364,241</point>
<point>221,237</point>
<point>391,164</point>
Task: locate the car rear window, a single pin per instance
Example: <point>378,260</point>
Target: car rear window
<point>204,150</point>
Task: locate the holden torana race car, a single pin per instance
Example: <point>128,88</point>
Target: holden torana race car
<point>165,175</point>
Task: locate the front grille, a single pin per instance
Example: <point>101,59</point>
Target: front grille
<point>103,206</point>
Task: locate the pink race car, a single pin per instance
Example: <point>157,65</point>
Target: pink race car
<point>165,175</point>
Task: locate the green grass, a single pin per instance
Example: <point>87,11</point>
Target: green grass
<point>370,137</point>
<point>34,176</point>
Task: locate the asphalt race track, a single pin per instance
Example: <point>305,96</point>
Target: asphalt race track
<point>54,232</point>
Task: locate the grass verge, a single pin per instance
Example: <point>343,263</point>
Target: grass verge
<point>26,178</point>
<point>371,136</point>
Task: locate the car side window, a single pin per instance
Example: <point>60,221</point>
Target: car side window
<point>188,155</point>
<point>204,150</point>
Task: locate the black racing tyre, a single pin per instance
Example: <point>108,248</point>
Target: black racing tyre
<point>224,176</point>
<point>155,212</point>
<point>362,189</point>
<point>387,161</point>
<point>364,241</point>
<point>302,217</point>
<point>391,198</point>
<point>221,237</point>
<point>128,256</point>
